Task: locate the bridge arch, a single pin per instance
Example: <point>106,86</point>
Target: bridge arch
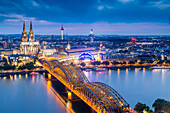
<point>99,96</point>
<point>89,93</point>
<point>118,99</point>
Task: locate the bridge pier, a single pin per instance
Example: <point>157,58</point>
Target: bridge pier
<point>48,76</point>
<point>71,96</point>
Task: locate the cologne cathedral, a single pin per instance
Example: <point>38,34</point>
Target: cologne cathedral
<point>29,46</point>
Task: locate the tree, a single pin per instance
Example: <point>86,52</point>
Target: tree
<point>71,63</point>
<point>139,107</point>
<point>115,62</point>
<point>131,62</point>
<point>1,67</point>
<point>30,65</point>
<point>141,62</point>
<point>22,67</point>
<point>4,59</point>
<point>34,60</point>
<point>149,61</point>
<point>160,62</point>
<point>161,105</point>
<point>19,61</point>
<point>123,62</point>
<point>105,63</point>
<point>83,64</point>
<point>8,67</point>
<point>96,63</point>
<point>13,67</point>
<point>168,61</point>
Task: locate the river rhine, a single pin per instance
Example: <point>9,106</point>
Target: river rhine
<point>33,94</point>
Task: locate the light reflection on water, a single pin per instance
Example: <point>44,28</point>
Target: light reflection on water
<point>29,94</point>
<point>138,85</point>
<point>39,96</point>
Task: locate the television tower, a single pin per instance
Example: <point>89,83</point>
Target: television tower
<point>62,30</point>
<point>91,35</point>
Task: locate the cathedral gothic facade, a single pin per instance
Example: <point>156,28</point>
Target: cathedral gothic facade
<point>29,46</point>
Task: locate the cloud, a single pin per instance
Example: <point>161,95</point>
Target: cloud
<point>15,19</point>
<point>160,4</point>
<point>54,12</point>
<point>12,20</point>
<point>98,27</point>
<point>34,3</point>
<point>125,1</point>
<point>100,7</point>
<point>89,11</point>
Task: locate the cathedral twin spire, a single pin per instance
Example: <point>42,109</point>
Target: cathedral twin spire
<point>24,33</point>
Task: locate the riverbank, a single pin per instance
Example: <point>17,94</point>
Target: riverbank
<point>7,73</point>
<point>120,67</point>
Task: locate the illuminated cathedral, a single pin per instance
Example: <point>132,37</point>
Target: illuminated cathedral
<point>29,46</point>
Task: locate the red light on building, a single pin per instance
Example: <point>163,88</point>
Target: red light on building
<point>133,39</point>
<point>62,28</point>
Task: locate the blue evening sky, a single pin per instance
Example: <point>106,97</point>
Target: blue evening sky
<point>121,17</point>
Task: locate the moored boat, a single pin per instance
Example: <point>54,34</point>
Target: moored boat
<point>160,67</point>
<point>34,73</point>
<point>99,69</point>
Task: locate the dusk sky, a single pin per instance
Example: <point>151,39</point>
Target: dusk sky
<point>120,17</point>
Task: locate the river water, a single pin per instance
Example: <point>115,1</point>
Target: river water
<point>139,85</point>
<point>28,94</point>
<point>33,94</point>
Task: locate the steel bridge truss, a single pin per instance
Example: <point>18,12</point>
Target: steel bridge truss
<point>99,96</point>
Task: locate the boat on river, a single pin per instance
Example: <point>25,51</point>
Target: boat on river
<point>34,73</point>
<point>160,67</point>
<point>97,69</point>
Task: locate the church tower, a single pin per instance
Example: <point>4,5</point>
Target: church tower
<point>24,33</point>
<point>31,34</point>
<point>68,46</point>
<point>29,47</point>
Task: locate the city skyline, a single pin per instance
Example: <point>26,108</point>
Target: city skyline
<point>115,17</point>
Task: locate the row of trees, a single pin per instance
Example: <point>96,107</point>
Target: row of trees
<point>7,67</point>
<point>160,105</point>
<point>142,61</point>
<point>4,59</point>
<point>107,63</point>
<point>130,62</point>
<point>28,66</point>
